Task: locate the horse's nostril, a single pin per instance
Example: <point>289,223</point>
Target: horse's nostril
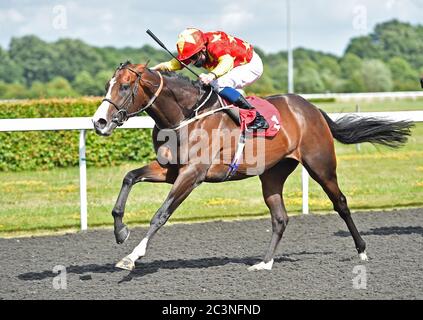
<point>101,123</point>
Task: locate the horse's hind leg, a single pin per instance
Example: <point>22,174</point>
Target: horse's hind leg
<point>322,168</point>
<point>272,182</point>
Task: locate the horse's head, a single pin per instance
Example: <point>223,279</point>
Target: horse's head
<point>126,97</point>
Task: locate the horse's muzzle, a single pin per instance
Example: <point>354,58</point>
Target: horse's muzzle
<point>103,128</point>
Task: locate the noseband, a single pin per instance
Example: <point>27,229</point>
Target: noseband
<point>122,113</point>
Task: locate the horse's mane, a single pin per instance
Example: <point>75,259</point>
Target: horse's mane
<point>170,74</point>
<point>180,77</point>
<point>180,81</point>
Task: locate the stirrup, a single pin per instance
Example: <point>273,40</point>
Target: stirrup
<point>259,123</point>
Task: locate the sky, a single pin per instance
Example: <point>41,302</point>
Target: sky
<point>324,25</point>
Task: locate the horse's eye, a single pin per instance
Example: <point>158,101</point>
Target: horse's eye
<point>125,86</point>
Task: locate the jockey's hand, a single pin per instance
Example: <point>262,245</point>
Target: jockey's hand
<point>206,78</point>
<point>159,67</point>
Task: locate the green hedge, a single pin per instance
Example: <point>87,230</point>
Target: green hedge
<point>322,100</point>
<point>42,150</point>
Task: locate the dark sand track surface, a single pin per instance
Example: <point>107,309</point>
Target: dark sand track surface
<point>316,260</point>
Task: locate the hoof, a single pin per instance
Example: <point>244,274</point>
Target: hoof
<point>262,266</point>
<point>122,235</point>
<point>363,256</point>
<point>126,264</point>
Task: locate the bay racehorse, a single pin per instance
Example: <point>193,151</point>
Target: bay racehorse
<point>176,103</point>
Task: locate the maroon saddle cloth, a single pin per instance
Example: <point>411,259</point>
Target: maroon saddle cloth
<point>267,110</point>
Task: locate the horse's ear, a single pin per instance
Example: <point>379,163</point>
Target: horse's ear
<point>146,64</point>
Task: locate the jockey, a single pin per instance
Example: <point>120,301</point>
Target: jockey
<point>232,64</point>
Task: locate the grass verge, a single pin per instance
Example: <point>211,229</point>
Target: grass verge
<point>46,202</point>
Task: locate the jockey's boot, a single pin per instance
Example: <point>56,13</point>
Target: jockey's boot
<point>259,121</point>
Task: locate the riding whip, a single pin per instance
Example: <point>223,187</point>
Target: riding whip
<point>161,44</point>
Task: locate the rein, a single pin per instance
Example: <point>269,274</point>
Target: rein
<point>123,115</point>
<point>201,115</point>
<point>198,117</point>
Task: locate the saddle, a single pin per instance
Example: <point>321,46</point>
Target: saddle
<point>243,117</point>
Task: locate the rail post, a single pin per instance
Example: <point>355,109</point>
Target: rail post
<point>83,180</point>
<point>357,146</point>
<point>304,180</point>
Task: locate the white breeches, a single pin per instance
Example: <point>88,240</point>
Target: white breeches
<point>241,76</point>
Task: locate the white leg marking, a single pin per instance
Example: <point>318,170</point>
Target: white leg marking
<point>102,110</point>
<point>128,263</point>
<point>262,266</point>
<point>139,250</point>
<point>363,256</point>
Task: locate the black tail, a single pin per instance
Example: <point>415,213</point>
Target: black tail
<point>352,129</point>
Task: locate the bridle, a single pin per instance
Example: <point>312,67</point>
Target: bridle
<point>122,113</point>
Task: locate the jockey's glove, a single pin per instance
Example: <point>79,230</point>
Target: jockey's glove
<point>172,65</point>
<point>206,78</point>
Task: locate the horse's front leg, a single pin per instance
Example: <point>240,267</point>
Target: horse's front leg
<point>189,177</point>
<point>152,172</point>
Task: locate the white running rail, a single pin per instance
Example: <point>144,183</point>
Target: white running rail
<point>366,96</point>
<point>83,124</point>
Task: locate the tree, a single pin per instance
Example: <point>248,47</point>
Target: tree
<point>355,82</point>
<point>84,84</point>
<point>35,57</point>
<point>13,91</point>
<point>403,75</point>
<point>331,82</point>
<point>100,80</point>
<point>376,76</point>
<point>389,40</point>
<point>3,89</point>
<point>263,86</point>
<point>308,80</point>
<point>35,63</point>
<point>38,90</point>
<point>330,65</point>
<point>59,87</point>
<point>9,71</point>
<point>74,56</point>
<point>279,75</point>
<point>364,47</point>
<point>350,63</point>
